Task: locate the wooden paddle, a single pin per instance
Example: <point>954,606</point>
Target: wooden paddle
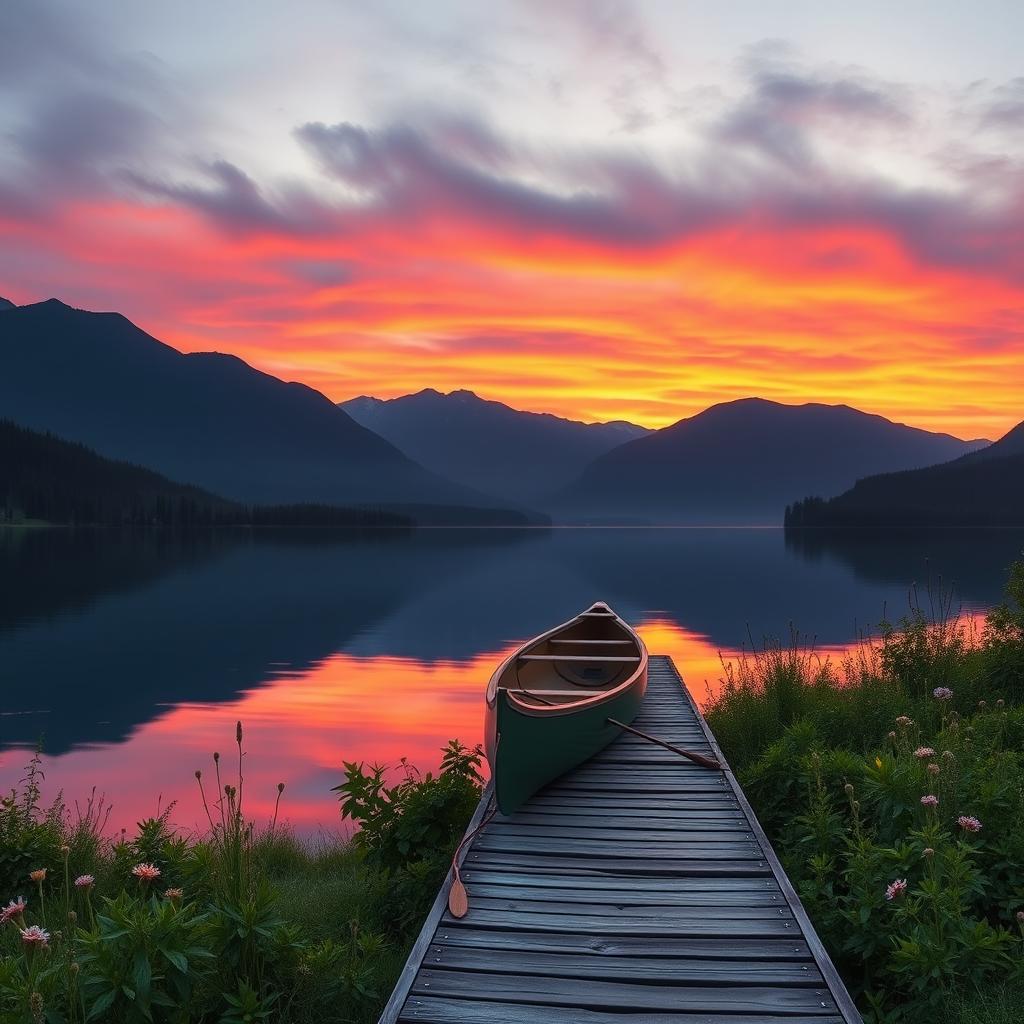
<point>458,898</point>
<point>704,762</point>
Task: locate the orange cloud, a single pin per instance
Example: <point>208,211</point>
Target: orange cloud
<point>833,312</point>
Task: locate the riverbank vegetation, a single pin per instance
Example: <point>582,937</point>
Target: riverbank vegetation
<point>890,782</point>
<point>892,786</point>
<point>244,924</point>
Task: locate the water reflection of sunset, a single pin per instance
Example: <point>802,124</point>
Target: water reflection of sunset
<point>302,725</point>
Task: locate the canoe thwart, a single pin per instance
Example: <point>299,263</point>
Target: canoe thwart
<point>595,658</point>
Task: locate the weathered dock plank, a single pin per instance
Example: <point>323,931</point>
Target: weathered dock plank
<point>640,886</point>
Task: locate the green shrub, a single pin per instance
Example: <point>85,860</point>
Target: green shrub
<point>922,911</point>
<point>240,925</point>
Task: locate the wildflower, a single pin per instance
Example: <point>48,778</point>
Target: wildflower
<point>848,789</point>
<point>923,753</point>
<point>1020,916</point>
<point>16,908</point>
<point>1000,703</point>
<point>969,823</point>
<point>878,762</point>
<point>982,704</point>
<point>942,693</point>
<point>928,852</point>
<point>38,876</point>
<point>895,888</point>
<point>146,873</point>
<point>930,800</point>
<point>65,850</point>
<point>948,755</point>
<point>84,882</point>
<point>904,721</point>
<point>892,736</point>
<point>174,895</point>
<point>35,937</point>
<point>933,769</point>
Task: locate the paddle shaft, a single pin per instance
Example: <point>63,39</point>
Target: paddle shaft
<point>705,762</point>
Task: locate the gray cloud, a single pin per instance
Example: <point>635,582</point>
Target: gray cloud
<point>787,106</point>
<point>72,137</point>
<point>233,200</point>
<point>1006,108</point>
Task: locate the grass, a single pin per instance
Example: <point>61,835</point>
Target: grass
<point>922,912</point>
<point>836,757</point>
<point>243,924</point>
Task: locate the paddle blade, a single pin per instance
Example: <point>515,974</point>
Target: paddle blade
<point>458,899</point>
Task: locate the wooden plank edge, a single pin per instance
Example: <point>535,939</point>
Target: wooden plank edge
<point>403,987</point>
<point>843,999</point>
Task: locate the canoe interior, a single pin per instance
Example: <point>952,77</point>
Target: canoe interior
<point>593,653</point>
<point>553,703</point>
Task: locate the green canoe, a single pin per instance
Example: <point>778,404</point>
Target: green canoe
<point>549,702</point>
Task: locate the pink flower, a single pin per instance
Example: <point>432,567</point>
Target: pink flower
<point>38,876</point>
<point>896,888</point>
<point>927,852</point>
<point>84,882</point>
<point>942,693</point>
<point>174,895</point>
<point>969,823</point>
<point>146,872</point>
<point>930,800</point>
<point>923,753</point>
<point>16,908</point>
<point>933,769</point>
<point>904,721</point>
<point>35,937</point>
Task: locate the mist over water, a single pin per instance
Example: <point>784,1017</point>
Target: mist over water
<point>129,656</point>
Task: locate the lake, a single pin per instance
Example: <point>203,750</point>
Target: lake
<point>129,656</point>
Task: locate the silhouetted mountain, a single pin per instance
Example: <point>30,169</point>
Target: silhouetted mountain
<point>488,445</point>
<point>205,418</point>
<point>45,478</point>
<point>984,488</point>
<point>740,462</point>
<point>6,304</point>
<point>1011,443</point>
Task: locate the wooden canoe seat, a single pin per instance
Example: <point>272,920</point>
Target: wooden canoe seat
<point>627,643</point>
<point>544,694</point>
<point>592,659</point>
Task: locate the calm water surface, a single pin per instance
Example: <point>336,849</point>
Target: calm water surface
<point>129,657</point>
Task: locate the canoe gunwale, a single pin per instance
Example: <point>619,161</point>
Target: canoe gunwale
<point>537,710</point>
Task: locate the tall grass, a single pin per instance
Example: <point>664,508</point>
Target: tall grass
<point>891,782</point>
<point>245,923</point>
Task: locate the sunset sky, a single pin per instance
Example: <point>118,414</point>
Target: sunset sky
<point>599,209</point>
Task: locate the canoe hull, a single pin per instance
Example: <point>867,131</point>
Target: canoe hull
<point>526,751</point>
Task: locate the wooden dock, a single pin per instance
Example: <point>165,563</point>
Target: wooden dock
<point>637,889</point>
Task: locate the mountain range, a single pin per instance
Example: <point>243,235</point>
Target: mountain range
<point>983,488</point>
<point>206,419</point>
<point>212,421</point>
<point>519,456</point>
<point>736,463</point>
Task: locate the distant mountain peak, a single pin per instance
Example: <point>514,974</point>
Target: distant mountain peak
<point>487,444</point>
<point>6,303</point>
<point>745,460</point>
